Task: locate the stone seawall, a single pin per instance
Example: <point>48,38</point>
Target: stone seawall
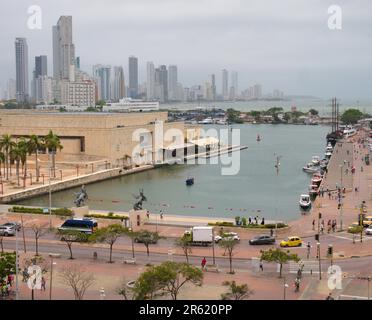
<point>70,183</point>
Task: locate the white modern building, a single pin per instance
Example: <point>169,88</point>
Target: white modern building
<point>77,93</point>
<point>128,104</point>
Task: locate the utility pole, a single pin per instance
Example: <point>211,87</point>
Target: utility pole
<point>214,259</point>
<point>50,198</point>
<point>341,204</point>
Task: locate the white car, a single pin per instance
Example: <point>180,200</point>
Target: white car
<point>228,236</point>
<point>369,230</point>
<point>7,231</point>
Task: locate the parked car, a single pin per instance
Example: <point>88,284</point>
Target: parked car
<point>16,225</point>
<point>227,235</point>
<point>293,241</point>
<point>369,230</point>
<point>262,239</point>
<point>7,231</point>
<point>367,221</point>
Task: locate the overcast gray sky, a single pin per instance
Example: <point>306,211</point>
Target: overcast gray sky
<point>282,44</point>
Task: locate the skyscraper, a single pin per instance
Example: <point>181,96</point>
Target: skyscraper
<point>172,82</point>
<point>102,75</point>
<point>214,89</point>
<point>150,88</point>
<point>163,80</point>
<point>21,55</point>
<point>133,77</point>
<point>41,66</point>
<point>118,84</point>
<point>63,48</point>
<point>225,83</point>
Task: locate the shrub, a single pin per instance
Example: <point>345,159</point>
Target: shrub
<point>108,216</point>
<point>222,224</point>
<point>58,211</point>
<point>244,221</point>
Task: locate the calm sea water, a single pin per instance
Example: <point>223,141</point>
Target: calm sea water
<point>257,189</point>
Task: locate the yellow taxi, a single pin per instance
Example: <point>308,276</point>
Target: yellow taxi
<point>293,241</point>
<point>367,221</point>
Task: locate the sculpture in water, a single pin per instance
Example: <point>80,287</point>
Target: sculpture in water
<point>140,198</point>
<point>81,197</point>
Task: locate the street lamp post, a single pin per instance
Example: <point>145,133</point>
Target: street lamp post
<point>52,255</point>
<point>50,198</point>
<point>341,204</point>
<point>320,264</point>
<point>17,267</point>
<point>285,286</point>
<point>214,258</point>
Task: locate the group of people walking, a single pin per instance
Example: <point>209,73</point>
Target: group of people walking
<point>6,285</point>
<point>331,226</point>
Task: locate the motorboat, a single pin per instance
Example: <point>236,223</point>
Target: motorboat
<point>305,202</point>
<point>190,181</point>
<point>329,147</point>
<point>349,132</point>
<point>258,138</point>
<point>317,179</point>
<point>315,160</point>
<point>328,154</point>
<point>311,168</point>
<point>313,191</point>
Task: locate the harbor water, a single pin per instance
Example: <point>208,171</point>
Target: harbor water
<point>258,188</point>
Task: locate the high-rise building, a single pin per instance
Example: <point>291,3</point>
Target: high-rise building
<point>21,55</point>
<point>257,91</point>
<point>11,89</point>
<point>150,86</point>
<point>234,85</point>
<point>102,75</point>
<point>172,82</point>
<point>41,66</point>
<point>118,84</point>
<point>77,93</point>
<point>214,90</point>
<point>225,84</point>
<point>63,48</point>
<point>133,77</point>
<point>163,80</point>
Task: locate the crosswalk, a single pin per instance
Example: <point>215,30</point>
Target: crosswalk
<point>309,266</point>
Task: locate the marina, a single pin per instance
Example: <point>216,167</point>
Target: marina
<point>262,186</point>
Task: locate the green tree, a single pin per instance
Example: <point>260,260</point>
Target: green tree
<point>53,143</point>
<point>6,144</point>
<point>147,238</point>
<point>279,256</point>
<point>351,116</point>
<point>233,116</point>
<point>34,144</point>
<point>313,112</point>
<point>109,235</point>
<point>71,236</point>
<point>229,245</point>
<point>166,278</point>
<point>184,242</point>
<point>236,292</point>
<point>7,264</point>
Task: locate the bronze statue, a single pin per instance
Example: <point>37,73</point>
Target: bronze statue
<point>140,198</point>
<point>81,197</point>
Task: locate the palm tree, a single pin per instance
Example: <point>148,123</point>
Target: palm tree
<point>2,160</point>
<point>16,154</point>
<point>53,143</point>
<point>23,145</point>
<point>7,144</point>
<point>34,143</point>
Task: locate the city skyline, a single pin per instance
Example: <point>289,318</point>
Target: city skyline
<point>276,55</point>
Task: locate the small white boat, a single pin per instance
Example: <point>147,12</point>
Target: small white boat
<point>311,168</point>
<point>315,160</point>
<point>328,154</point>
<point>313,191</point>
<point>305,202</point>
<point>329,148</point>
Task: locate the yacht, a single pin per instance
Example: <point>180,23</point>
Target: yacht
<point>315,160</point>
<point>305,202</point>
<point>311,168</point>
<point>349,132</point>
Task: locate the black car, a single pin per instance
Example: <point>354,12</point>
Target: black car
<point>264,239</point>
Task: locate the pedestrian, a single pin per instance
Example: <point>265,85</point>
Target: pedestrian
<point>255,220</point>
<point>249,220</point>
<point>148,214</point>
<point>261,265</point>
<point>203,263</point>
<point>313,224</point>
<point>329,297</point>
<point>263,221</point>
<point>43,284</point>
<point>271,232</point>
<point>297,285</point>
<point>329,195</point>
<point>308,249</point>
<point>322,228</point>
<point>161,214</point>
